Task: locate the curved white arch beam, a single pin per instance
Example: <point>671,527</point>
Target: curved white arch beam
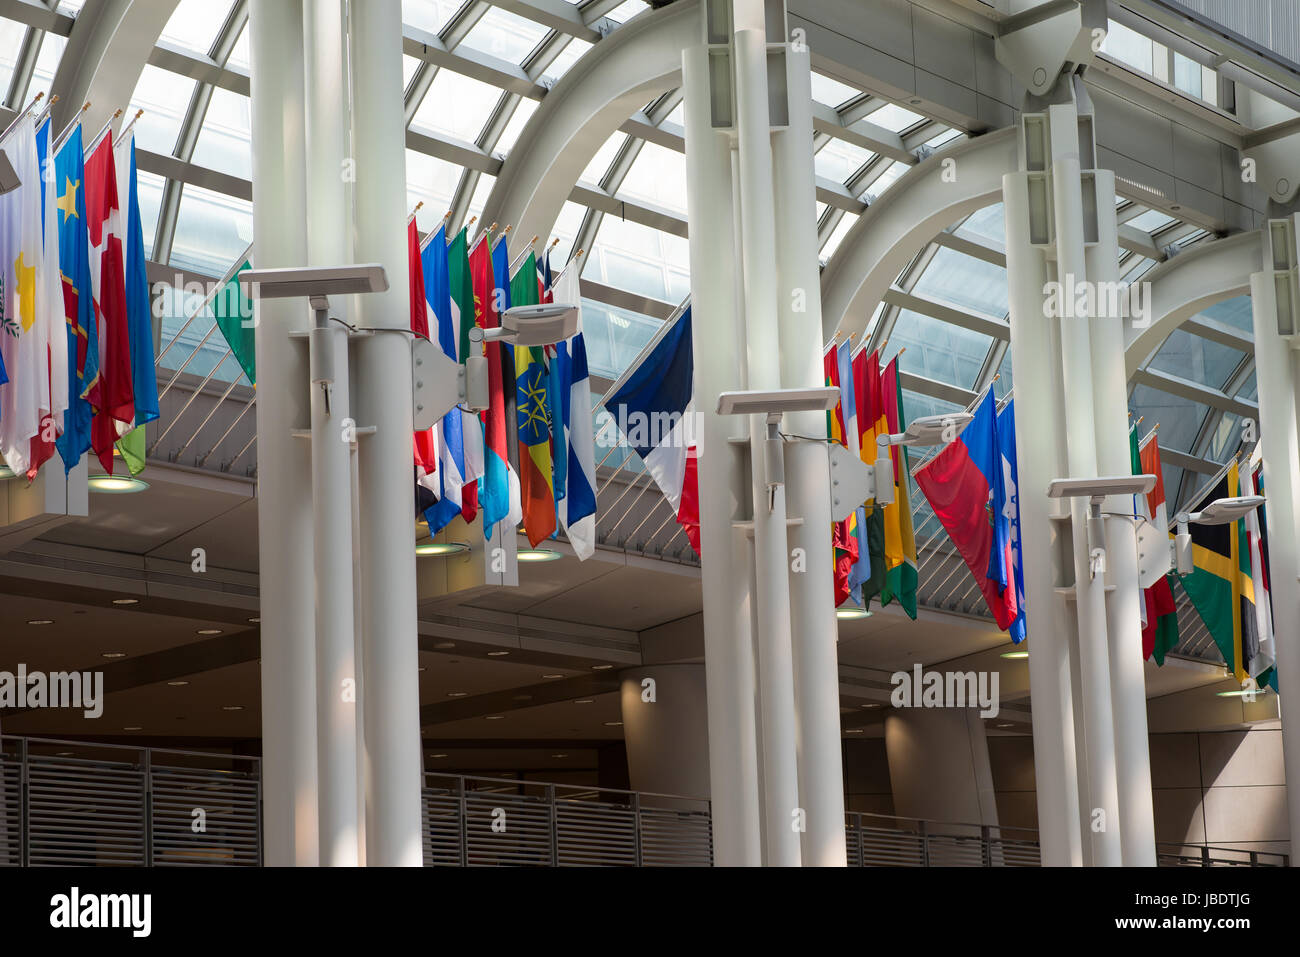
<point>609,83</point>
<point>910,214</point>
<point>1190,282</point>
<point>107,51</point>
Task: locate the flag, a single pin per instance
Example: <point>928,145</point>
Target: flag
<point>501,284</point>
<point>577,509</point>
<point>451,445</point>
<point>965,485</point>
<point>1159,611</point>
<point>463,318</point>
<point>50,312</point>
<point>533,418</point>
<point>495,486</point>
<point>233,313</point>
<point>24,348</point>
<point>116,409</point>
<point>1257,528</point>
<point>557,390</point>
<point>1006,426</point>
<point>79,311</point>
<point>865,368</point>
<point>653,409</point>
<point>138,304</point>
<point>425,442</point>
<point>842,422</point>
<point>1221,585</point>
<point>900,540</point>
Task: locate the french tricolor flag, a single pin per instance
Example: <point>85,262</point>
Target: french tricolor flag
<point>654,408</point>
<point>965,486</point>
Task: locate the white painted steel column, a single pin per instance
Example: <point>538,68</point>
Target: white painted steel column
<point>331,444</point>
<point>728,638</point>
<point>284,463</point>
<point>391,701</point>
<point>1081,460</point>
<point>1123,602</point>
<point>1040,454</point>
<point>771,553</point>
<point>815,628</point>
<point>1277,371</point>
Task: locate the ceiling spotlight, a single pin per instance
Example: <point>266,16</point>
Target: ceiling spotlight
<point>443,645</point>
<point>872,704</point>
<point>208,631</point>
<point>41,621</point>
<point>115,484</point>
<point>613,724</point>
<point>601,667</point>
<point>1014,655</point>
<point>497,654</point>
<point>437,755</point>
<point>584,700</point>
<point>552,676</point>
<point>133,727</point>
<point>538,555</point>
<point>255,621</point>
<point>1242,693</point>
<point>559,755</point>
<point>851,614</point>
<point>63,754</point>
<point>177,684</point>
<point>495,717</point>
<point>232,707</point>
<point>1003,726</point>
<point>126,601</point>
<point>853,731</point>
<point>113,654</point>
<point>457,694</point>
<point>436,549</point>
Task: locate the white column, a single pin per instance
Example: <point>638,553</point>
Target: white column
<point>1123,602</point>
<point>391,700</point>
<point>771,553</point>
<point>1277,372</point>
<point>812,590</point>
<point>728,641</point>
<point>331,454</point>
<point>1081,460</point>
<point>1040,457</point>
<point>284,463</point>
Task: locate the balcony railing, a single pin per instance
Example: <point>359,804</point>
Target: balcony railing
<point>67,803</point>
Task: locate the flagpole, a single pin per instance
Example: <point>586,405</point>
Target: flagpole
<point>45,110</point>
<point>95,141</point>
<point>523,255</point>
<point>67,130</point>
<point>126,130</point>
<point>10,128</point>
<point>433,232</point>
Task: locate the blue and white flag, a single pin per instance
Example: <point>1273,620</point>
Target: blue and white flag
<point>451,445</point>
<point>1006,429</point>
<point>577,509</point>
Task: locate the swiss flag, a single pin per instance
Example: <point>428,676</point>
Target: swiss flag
<point>116,410</point>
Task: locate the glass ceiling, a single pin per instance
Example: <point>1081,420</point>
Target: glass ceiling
<point>635,268</point>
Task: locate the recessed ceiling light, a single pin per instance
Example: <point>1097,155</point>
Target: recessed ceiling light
<point>552,676</point>
<point>457,694</point>
<point>113,654</point>
<point>178,684</point>
<point>1015,655</point>
<point>126,601</point>
<point>851,613</point>
<point>495,717</point>
<point>63,754</point>
<point>437,755</point>
<point>584,701</point>
<point>872,704</point>
<point>497,654</point>
<point>559,755</point>
<point>601,667</point>
<point>232,707</point>
<point>538,555</point>
<point>115,484</point>
<point>1004,725</point>
<point>421,668</point>
<point>443,645</point>
<point>208,631</point>
<point>439,549</point>
<point>41,621</point>
<point>1243,693</point>
<point>853,731</point>
<point>255,621</point>
<point>613,724</point>
<point>133,727</point>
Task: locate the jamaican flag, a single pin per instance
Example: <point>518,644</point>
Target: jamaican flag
<point>1221,586</point>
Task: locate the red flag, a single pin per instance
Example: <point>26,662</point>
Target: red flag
<point>495,500</point>
<point>426,448</point>
<point>108,282</point>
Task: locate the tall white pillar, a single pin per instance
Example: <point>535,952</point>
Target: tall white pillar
<point>723,476</point>
<point>1277,373</point>
<point>815,628</point>
<point>382,398</point>
<point>1040,458</point>
<point>771,553</point>
<point>331,446</point>
<point>1124,597</point>
<point>284,463</point>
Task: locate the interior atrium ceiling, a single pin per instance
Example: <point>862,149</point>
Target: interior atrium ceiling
<point>475,73</point>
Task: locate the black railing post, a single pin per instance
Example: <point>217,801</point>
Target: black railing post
<point>464,823</point>
<point>1205,855</point>
<point>148,808</point>
<point>925,843</point>
<point>555,826</point>
<point>986,846</point>
<point>636,820</point>
<point>24,807</point>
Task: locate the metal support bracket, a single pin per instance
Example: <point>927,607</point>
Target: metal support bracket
<point>1042,39</point>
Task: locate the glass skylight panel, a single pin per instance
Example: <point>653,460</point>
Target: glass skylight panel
<point>212,229</point>
<point>1151,221</point>
<point>164,97</point>
<point>149,189</point>
<point>71,7</point>
<point>224,141</point>
<point>524,110</point>
<point>504,35</point>
<point>1224,439</point>
<point>830,92</point>
<point>47,61</point>
<point>456,105</point>
<point>894,118</point>
<point>676,117</point>
<point>1006,379</point>
<point>479,200</point>
<point>1234,312</point>
<point>627,10</point>
<point>574,49</point>
<point>430,181</point>
<point>1128,47</point>
<point>837,235</point>
<point>614,336</point>
<point>1249,389</point>
<point>600,162</point>
<point>11,42</point>
<point>195,23</point>
<point>838,160</point>
<point>640,259</point>
<point>240,57</point>
<point>409,65</point>
<point>429,15</point>
<point>658,176</point>
<point>886,179</point>
<point>565,230</point>
<point>1187,75</point>
<point>986,227</point>
<point>936,349</point>
<point>965,282</point>
<point>1179,418</point>
<point>1196,359</point>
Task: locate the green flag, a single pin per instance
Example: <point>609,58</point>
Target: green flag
<point>234,314</point>
<point>462,290</point>
<point>131,446</point>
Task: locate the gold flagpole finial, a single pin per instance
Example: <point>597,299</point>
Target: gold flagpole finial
<point>472,221</point>
<point>492,228</point>
<point>554,242</point>
<point>579,253</point>
<point>447,215</point>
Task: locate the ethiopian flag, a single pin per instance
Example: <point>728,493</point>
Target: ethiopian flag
<point>532,416</point>
<point>872,422</point>
<point>1221,586</point>
<point>900,539</point>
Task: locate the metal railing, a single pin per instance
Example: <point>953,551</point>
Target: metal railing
<point>1201,855</point>
<point>880,840</point>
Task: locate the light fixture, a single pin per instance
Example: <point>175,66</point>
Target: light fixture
<point>601,667</point>
<point>613,724</point>
<point>495,717</point>
<point>126,601</point>
<point>777,402</point>
<point>872,704</point>
<point>849,613</point>
<point>1015,655</point>
<point>444,645</point>
<point>497,654</point>
<point>177,684</point>
<point>254,621</point>
<point>41,621</point>
<point>133,727</point>
<point>584,700</point>
<point>1219,512</point>
<point>437,755</point>
<point>232,707</point>
<point>208,631</point>
<point>1242,693</point>
<point>312,281</point>
<point>421,668</point>
<point>1004,725</point>
<point>853,731</point>
<point>538,555</point>
<point>552,676</point>
<point>115,484</point>
<point>457,694</point>
<point>63,754</point>
<point>559,755</point>
<point>113,654</point>
<point>923,431</point>
<point>440,549</point>
<point>6,472</point>
<point>1095,490</point>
